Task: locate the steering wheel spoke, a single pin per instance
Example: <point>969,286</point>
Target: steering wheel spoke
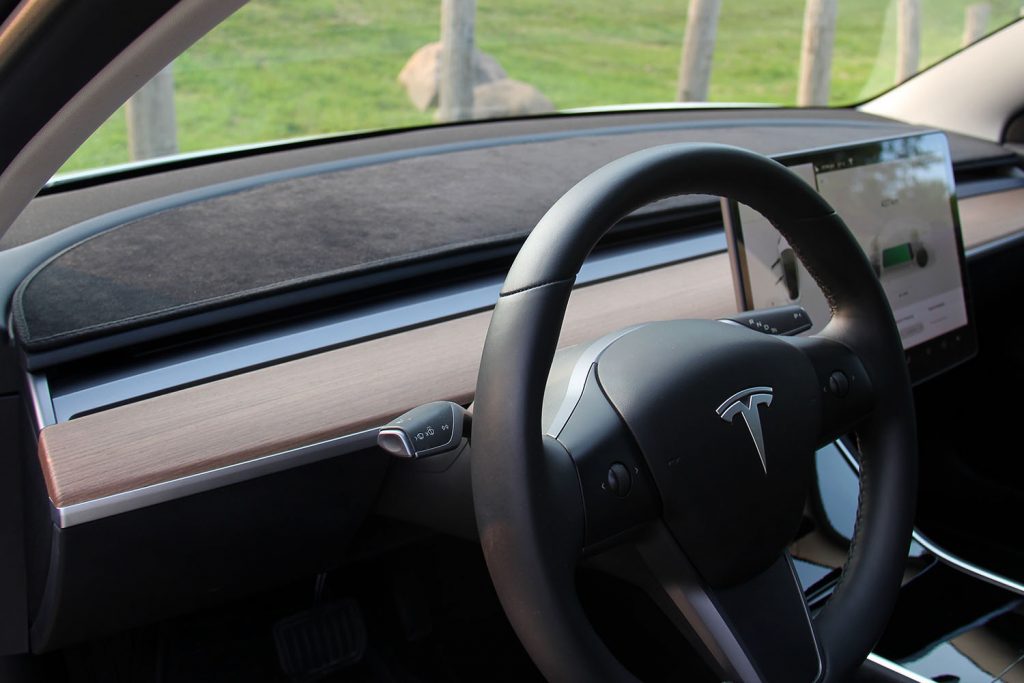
<point>618,494</point>
<point>757,630</point>
<point>847,393</point>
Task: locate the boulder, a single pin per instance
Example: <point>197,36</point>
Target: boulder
<point>419,76</point>
<point>508,97</point>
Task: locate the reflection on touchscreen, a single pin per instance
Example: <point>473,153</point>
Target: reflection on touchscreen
<point>787,266</point>
<point>896,197</point>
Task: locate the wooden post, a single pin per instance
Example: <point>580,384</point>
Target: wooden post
<point>816,53</point>
<point>152,129</point>
<point>908,40</point>
<point>698,50</point>
<point>455,80</point>
<point>975,22</point>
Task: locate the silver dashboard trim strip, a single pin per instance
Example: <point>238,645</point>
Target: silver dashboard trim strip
<point>942,554</point>
<point>896,668</point>
<point>130,383</point>
<point>40,400</point>
<point>968,567</point>
<point>995,245</point>
<point>89,511</point>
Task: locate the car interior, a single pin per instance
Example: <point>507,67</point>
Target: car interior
<point>630,393</point>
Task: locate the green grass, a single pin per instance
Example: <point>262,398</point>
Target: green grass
<point>281,69</point>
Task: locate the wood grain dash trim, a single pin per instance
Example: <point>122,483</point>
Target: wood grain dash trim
<point>312,399</point>
<point>988,217</point>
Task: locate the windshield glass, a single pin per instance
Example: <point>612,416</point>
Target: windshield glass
<point>281,70</point>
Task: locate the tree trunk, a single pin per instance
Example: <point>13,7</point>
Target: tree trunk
<point>152,128</point>
<point>816,53</point>
<point>975,22</point>
<point>908,42</point>
<point>698,50</point>
<point>456,77</point>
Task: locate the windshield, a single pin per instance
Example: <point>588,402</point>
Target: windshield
<point>281,70</point>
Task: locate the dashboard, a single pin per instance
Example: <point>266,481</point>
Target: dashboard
<point>260,395</point>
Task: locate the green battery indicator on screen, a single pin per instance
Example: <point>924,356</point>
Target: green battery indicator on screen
<point>898,255</point>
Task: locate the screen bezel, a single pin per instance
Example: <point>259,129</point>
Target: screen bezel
<point>924,360</point>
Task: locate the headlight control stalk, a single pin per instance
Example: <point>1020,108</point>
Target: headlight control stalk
<point>426,430</point>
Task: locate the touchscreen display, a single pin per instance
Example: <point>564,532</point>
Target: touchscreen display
<point>897,198</point>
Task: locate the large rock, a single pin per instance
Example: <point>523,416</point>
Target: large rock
<point>508,97</point>
<point>420,74</point>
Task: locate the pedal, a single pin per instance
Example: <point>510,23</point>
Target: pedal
<point>321,640</point>
<point>412,606</point>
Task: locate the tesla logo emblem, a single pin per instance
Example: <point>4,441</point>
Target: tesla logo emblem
<point>746,404</point>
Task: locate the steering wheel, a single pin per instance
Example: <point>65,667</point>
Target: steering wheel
<point>688,445</point>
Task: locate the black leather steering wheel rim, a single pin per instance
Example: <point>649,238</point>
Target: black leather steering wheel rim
<point>531,545</point>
